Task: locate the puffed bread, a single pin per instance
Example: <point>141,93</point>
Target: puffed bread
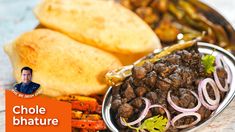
<point>61,65</point>
<point>100,23</point>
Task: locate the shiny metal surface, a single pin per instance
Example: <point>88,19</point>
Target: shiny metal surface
<point>204,48</point>
<point>16,17</point>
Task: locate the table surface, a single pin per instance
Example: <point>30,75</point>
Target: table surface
<point>16,17</point>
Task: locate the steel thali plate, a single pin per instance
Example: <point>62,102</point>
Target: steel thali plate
<point>203,48</point>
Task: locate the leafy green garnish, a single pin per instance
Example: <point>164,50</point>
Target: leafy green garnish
<point>208,62</point>
<point>153,124</point>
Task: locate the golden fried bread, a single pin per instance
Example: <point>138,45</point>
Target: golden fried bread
<point>100,23</point>
<point>61,65</point>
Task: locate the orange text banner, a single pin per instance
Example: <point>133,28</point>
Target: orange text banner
<point>36,114</point>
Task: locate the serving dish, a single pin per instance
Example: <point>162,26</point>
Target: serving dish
<point>217,18</point>
<point>178,20</point>
<point>204,48</point>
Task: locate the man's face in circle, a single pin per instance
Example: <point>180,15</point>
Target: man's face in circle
<point>26,76</point>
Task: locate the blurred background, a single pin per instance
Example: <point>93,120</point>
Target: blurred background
<point>16,17</point>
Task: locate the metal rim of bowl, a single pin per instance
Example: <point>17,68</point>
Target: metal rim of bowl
<point>204,48</point>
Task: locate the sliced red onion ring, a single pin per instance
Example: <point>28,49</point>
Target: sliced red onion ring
<point>220,63</point>
<point>201,86</point>
<point>229,74</point>
<point>183,115</point>
<point>142,115</point>
<point>180,109</point>
<point>205,93</point>
<point>218,60</point>
<point>223,89</point>
<point>167,114</point>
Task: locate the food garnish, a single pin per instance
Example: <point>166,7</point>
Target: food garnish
<point>208,62</point>
<point>153,124</point>
<point>144,113</point>
<point>185,114</point>
<point>180,109</point>
<point>209,103</point>
<point>220,63</point>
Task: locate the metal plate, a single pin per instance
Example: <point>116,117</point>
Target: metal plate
<point>204,48</point>
<point>17,17</point>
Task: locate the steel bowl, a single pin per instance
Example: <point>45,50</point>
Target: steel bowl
<point>204,48</point>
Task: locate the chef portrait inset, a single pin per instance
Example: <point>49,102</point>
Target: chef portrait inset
<point>27,86</point>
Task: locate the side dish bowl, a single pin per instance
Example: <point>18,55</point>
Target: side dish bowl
<point>204,48</point>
